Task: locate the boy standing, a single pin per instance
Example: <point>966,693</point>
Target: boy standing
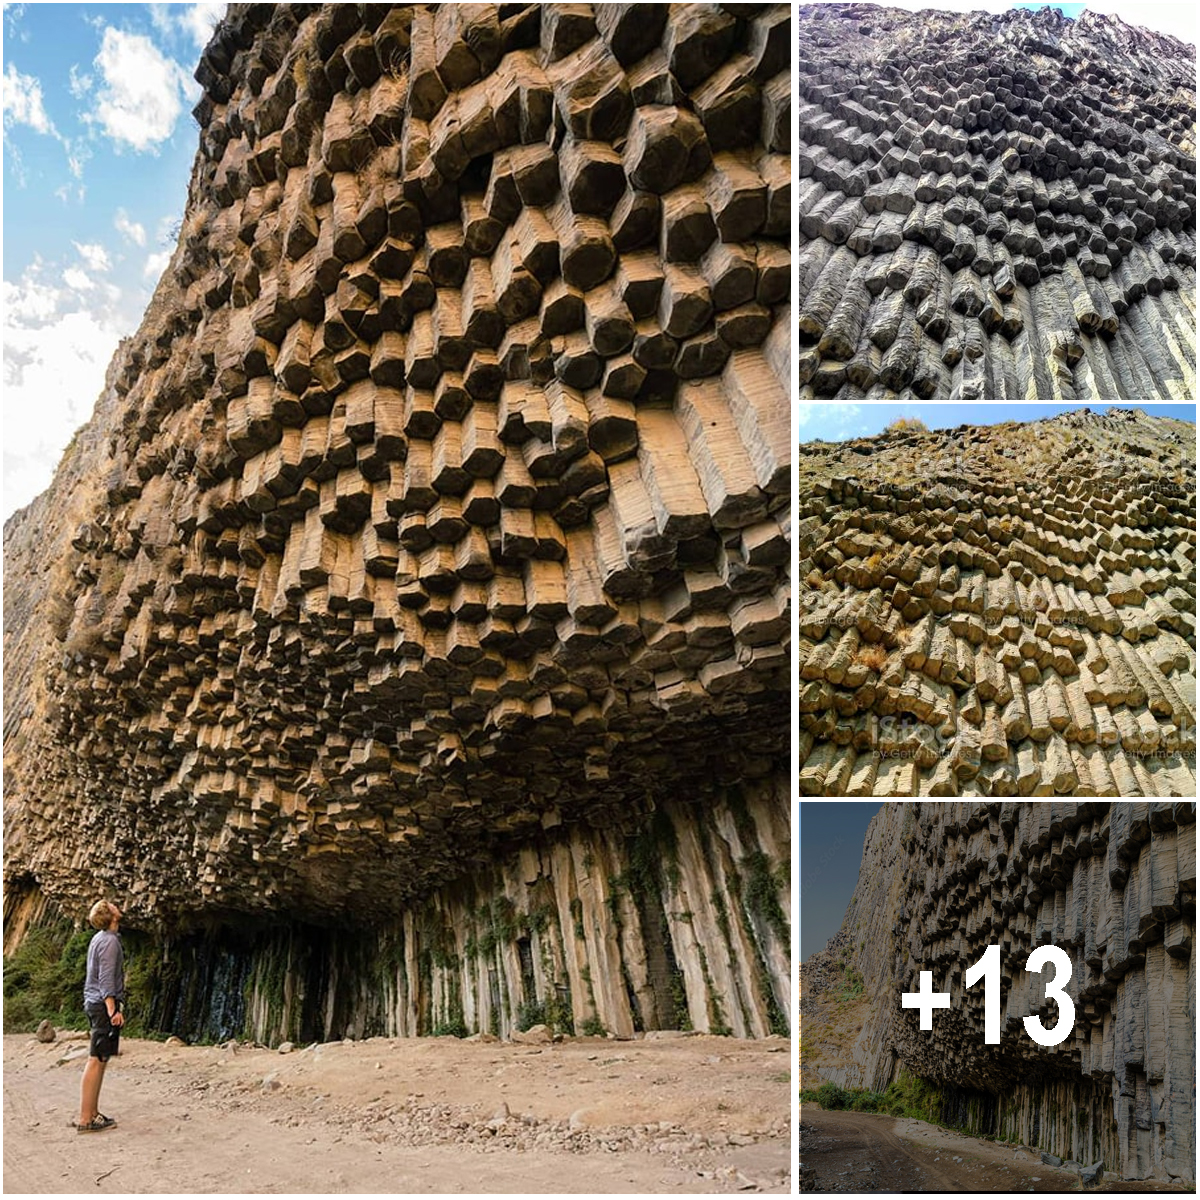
<point>103,991</point>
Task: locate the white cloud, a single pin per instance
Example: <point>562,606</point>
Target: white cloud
<point>68,192</point>
<point>195,22</point>
<point>1178,20</point>
<point>15,163</point>
<point>94,255</point>
<point>200,20</point>
<point>30,301</point>
<point>156,264</point>
<point>135,232</point>
<point>79,84</point>
<point>24,105</point>
<point>48,393</point>
<point>12,22</point>
<point>139,102</point>
<point>23,102</point>
<point>162,20</point>
<point>77,280</point>
<point>832,422</point>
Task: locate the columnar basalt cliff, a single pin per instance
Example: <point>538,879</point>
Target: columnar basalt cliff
<point>1113,885</point>
<point>423,570</point>
<point>995,207</point>
<point>1002,610</point>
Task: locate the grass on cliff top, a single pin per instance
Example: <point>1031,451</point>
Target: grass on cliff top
<point>907,425</point>
<point>906,1096</point>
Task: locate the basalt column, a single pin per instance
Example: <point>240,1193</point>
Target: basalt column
<point>423,570</point>
<point>1114,887</point>
<point>995,207</point>
<point>1002,610</point>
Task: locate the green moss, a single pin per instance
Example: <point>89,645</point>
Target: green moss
<point>761,895</point>
<point>538,919</point>
<point>717,1023</point>
<point>683,1016</point>
<point>852,988</point>
<point>558,1014</point>
<point>43,980</point>
<point>653,856</point>
<point>531,1013</point>
<point>717,900</point>
<point>907,1096</point>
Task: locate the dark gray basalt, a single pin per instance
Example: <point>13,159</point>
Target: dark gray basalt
<point>1114,885</point>
<point>995,208</point>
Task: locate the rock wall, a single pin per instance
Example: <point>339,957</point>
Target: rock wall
<point>1003,610</point>
<point>585,930</point>
<point>440,500</point>
<point>994,207</point>
<point>1114,885</point>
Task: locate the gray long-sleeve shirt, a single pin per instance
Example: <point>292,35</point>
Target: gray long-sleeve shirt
<point>105,968</point>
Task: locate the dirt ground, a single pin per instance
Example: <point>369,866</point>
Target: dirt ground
<point>680,1114</point>
<point>866,1152</point>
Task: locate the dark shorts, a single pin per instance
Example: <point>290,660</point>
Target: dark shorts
<point>106,1037</point>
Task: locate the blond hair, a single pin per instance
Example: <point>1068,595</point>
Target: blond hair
<point>102,915</point>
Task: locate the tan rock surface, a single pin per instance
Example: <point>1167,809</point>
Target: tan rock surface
<point>431,537</point>
<point>985,577</point>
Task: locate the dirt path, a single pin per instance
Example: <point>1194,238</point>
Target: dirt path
<point>865,1152</point>
<point>688,1114</point>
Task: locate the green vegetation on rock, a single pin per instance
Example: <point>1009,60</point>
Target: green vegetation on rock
<point>852,988</point>
<point>907,1096</point>
<point>43,979</point>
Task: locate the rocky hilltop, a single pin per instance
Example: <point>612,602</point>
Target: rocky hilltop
<point>1114,885</point>
<point>1000,610</point>
<point>994,207</point>
<point>423,570</point>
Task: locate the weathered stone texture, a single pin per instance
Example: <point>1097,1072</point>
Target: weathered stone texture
<point>443,496</point>
<point>1001,610</point>
<point>1111,884</point>
<point>994,207</point>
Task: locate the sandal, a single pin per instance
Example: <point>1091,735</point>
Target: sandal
<point>98,1123</point>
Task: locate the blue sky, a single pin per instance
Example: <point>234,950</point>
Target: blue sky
<point>831,837</point>
<point>838,422</point>
<point>98,146</point>
<point>1177,19</point>
<point>1067,10</point>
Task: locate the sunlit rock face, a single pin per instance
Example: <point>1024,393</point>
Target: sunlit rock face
<point>994,207</point>
<point>997,208</point>
<point>1000,610</point>
<point>1112,885</point>
<point>435,523</point>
